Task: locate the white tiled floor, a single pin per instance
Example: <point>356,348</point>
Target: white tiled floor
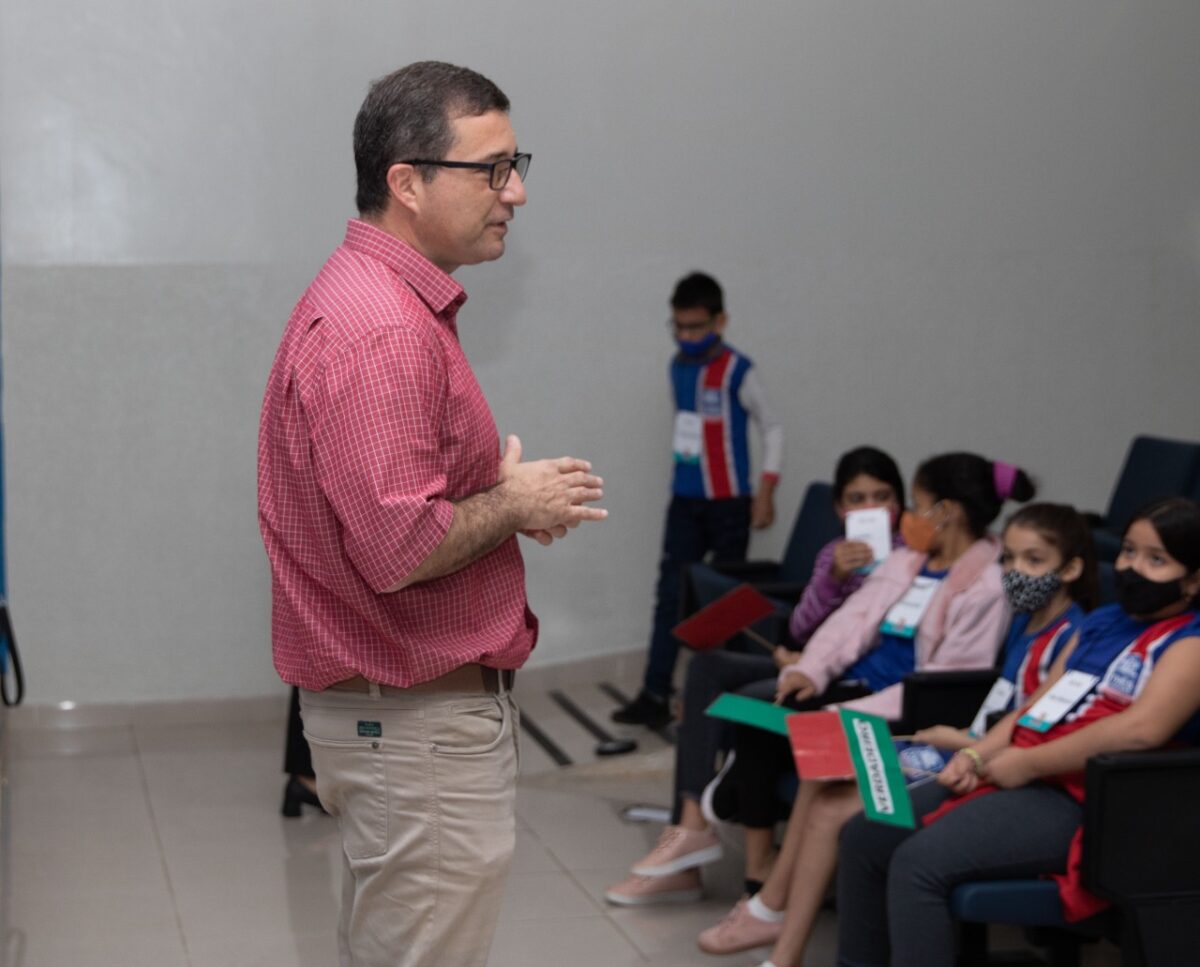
<point>162,846</point>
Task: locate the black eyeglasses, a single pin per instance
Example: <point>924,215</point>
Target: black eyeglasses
<point>691,327</point>
<point>498,171</point>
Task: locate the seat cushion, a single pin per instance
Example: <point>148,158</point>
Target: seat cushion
<point>1031,903</point>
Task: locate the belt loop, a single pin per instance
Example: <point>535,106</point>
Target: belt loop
<point>373,688</point>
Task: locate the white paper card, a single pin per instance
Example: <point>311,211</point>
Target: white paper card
<point>688,442</point>
<point>873,527</point>
<point>1065,694</point>
<point>997,701</point>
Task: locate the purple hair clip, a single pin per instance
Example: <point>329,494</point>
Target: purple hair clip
<point>1004,475</point>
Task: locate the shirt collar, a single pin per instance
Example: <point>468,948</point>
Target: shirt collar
<point>437,290</point>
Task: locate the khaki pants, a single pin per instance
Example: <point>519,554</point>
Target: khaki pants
<point>423,788</point>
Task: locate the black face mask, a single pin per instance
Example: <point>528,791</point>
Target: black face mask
<point>1139,596</point>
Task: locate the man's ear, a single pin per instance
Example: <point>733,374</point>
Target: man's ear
<point>719,323</point>
<point>404,186</point>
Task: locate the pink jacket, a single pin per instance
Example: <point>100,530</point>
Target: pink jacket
<point>963,627</point>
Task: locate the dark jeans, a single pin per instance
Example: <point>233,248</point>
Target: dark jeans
<point>695,527</point>
<point>764,759</point>
<point>297,759</point>
<point>701,737</point>
<point>895,884</point>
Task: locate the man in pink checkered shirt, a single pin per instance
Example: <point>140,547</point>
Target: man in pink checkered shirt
<point>390,521</point>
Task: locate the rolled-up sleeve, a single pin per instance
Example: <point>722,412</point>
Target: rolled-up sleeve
<point>374,421</point>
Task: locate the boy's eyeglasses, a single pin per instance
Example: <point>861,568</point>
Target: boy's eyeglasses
<point>498,171</point>
<point>689,327</point>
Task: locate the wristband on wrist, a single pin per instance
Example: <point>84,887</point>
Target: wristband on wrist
<point>976,759</point>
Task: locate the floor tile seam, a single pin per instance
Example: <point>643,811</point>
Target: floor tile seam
<point>162,853</point>
<point>602,909</point>
<point>605,912</point>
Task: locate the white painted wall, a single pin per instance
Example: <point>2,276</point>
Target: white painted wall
<point>940,223</point>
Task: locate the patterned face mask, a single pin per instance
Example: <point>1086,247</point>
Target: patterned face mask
<point>1028,593</point>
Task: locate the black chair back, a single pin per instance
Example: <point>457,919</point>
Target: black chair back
<point>816,525</point>
<point>1154,467</point>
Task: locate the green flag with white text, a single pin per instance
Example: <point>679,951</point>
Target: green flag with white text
<point>877,769</point>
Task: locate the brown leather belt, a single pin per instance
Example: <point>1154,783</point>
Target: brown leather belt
<point>466,678</point>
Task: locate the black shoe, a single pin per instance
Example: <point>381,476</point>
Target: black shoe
<point>295,794</point>
<point>645,710</point>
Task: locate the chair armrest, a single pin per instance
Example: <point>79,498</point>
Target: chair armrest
<point>1141,836</point>
<point>787,592</point>
<point>943,698</point>
<point>751,571</point>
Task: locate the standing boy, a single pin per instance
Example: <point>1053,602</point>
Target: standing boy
<point>713,506</point>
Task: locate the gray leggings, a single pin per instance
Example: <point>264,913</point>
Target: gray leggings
<point>895,885</point>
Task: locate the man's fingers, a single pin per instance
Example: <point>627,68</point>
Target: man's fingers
<point>512,450</point>
<point>571,465</point>
<point>580,479</point>
<point>584,495</point>
<point>579,513</point>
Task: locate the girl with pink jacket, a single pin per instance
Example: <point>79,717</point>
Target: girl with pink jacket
<point>936,604</point>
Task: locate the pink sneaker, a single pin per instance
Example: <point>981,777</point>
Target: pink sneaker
<point>740,930</point>
<point>679,849</point>
<point>639,891</point>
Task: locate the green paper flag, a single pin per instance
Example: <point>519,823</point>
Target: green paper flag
<point>877,769</point>
<point>750,711</point>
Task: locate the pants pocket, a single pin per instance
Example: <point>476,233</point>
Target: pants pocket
<point>352,785</point>
<point>473,728</point>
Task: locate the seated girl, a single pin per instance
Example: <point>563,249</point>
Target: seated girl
<point>1011,804</point>
<point>1049,577</point>
<point>937,604</point>
<point>864,478</point>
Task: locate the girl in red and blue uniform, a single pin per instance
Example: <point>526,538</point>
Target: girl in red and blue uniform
<point>1010,805</point>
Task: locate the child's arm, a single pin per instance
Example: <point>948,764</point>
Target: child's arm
<point>945,737</point>
<point>1170,698</point>
<point>754,398</point>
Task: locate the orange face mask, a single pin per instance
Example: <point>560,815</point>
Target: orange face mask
<point>918,531</point>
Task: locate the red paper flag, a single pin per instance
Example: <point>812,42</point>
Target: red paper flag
<point>819,746</point>
<point>716,623</point>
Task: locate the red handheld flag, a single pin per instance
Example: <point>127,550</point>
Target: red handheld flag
<point>716,623</point>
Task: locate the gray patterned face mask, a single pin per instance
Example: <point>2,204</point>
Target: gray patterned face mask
<point>1027,593</point>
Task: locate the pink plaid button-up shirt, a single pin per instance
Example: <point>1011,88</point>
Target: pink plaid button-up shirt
<point>372,425</point>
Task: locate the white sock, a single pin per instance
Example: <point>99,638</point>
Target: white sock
<point>766,963</point>
<point>760,911</point>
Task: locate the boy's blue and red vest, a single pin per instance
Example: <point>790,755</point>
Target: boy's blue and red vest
<point>709,388</point>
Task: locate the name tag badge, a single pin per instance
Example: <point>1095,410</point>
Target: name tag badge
<point>905,615</point>
<point>1052,707</point>
<point>689,436</point>
<point>997,701</point>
